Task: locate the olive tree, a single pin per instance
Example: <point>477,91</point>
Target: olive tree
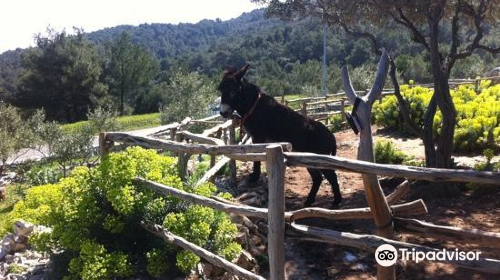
<point>14,134</point>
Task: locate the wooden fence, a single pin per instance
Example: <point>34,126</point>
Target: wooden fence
<point>322,107</point>
<point>388,216</point>
<point>282,223</point>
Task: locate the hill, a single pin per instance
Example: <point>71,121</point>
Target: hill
<point>285,56</point>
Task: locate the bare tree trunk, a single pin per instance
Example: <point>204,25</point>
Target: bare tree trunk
<point>447,108</point>
<point>428,136</point>
<point>442,97</point>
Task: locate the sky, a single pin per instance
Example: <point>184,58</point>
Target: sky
<point>20,20</point>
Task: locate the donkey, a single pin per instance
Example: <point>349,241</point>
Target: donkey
<point>266,120</point>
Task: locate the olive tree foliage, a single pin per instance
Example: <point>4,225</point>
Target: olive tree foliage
<point>186,95</point>
<point>423,19</point>
<point>14,134</point>
<point>75,146</point>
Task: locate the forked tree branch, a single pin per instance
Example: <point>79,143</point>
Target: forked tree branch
<point>403,105</point>
<point>346,82</point>
<point>382,69</point>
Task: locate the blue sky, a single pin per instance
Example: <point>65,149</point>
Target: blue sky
<point>20,20</point>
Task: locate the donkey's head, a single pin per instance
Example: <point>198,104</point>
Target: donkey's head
<point>231,89</point>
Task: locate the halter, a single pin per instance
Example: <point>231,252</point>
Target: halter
<point>249,113</point>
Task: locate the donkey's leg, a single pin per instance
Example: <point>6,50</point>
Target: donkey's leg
<point>331,176</point>
<point>316,178</point>
<point>255,175</point>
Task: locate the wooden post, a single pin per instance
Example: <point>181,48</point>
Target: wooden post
<point>103,145</point>
<point>173,137</point>
<point>283,98</point>
<point>375,197</point>
<point>476,86</point>
<point>304,108</point>
<point>183,159</point>
<point>224,136</point>
<point>275,165</point>
<point>173,131</point>
<point>232,163</point>
<point>342,109</point>
<point>212,157</point>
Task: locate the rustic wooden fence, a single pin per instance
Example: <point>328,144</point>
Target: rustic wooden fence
<point>387,216</point>
<point>322,107</point>
<point>282,223</point>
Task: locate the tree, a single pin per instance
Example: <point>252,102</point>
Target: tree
<point>424,20</point>
<point>62,76</point>
<point>14,133</point>
<point>130,72</point>
<point>187,95</point>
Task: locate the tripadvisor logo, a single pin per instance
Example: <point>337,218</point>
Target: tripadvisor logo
<point>387,255</point>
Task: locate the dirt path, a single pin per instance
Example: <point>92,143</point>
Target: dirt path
<point>309,260</point>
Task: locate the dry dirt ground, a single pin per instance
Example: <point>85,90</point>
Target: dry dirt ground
<point>310,260</point>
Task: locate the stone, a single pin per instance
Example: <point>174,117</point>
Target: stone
<point>17,277</point>
<point>228,276</point>
<point>247,261</point>
<point>241,238</point>
<point>207,268</point>
<point>5,249</point>
<point>9,238</point>
<point>19,247</point>
<point>3,193</point>
<point>22,228</point>
<point>256,240</point>
<point>9,258</point>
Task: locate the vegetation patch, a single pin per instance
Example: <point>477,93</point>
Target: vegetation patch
<point>125,123</point>
<point>478,116</point>
<point>95,216</point>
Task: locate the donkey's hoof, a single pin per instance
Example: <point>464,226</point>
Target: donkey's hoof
<point>336,204</point>
<point>308,203</point>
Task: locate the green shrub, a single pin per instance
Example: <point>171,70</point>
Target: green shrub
<point>385,152</point>
<point>336,123</point>
<point>478,116</point>
<point>124,123</point>
<point>95,215</point>
<point>42,174</point>
<point>485,189</point>
<point>16,268</point>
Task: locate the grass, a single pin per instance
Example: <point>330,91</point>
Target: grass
<point>15,192</point>
<point>127,123</point>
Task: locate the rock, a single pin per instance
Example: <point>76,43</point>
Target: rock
<point>256,240</point>
<point>9,238</point>
<point>9,258</point>
<point>3,193</point>
<point>207,268</point>
<point>17,277</point>
<point>349,257</point>
<point>36,277</point>
<point>247,261</point>
<point>4,250</point>
<point>228,276</point>
<point>241,238</point>
<point>21,239</point>
<point>22,228</point>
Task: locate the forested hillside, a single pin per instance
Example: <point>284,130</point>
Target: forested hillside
<point>285,58</point>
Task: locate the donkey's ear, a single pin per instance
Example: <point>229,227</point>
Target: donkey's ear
<point>240,73</point>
